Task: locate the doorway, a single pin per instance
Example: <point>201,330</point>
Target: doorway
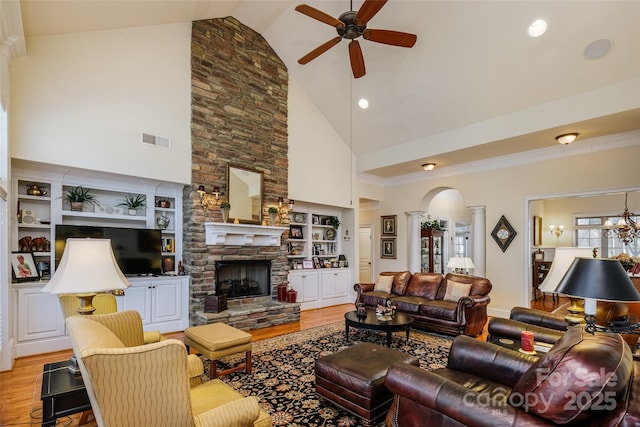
<point>365,254</point>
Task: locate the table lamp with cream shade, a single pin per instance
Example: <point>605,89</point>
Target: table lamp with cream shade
<point>87,266</point>
<point>561,261</point>
<point>460,265</point>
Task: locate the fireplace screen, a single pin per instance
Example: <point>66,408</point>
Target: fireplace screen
<point>242,279</point>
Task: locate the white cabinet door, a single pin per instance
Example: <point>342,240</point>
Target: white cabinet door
<point>39,315</point>
<point>335,283</point>
<point>306,284</point>
<point>166,301</point>
<point>138,298</point>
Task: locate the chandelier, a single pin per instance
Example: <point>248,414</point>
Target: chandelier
<point>626,229</point>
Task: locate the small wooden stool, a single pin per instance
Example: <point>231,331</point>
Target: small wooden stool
<point>217,340</point>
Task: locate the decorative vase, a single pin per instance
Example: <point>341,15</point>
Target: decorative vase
<point>133,212</point>
<point>272,218</point>
<point>282,292</point>
<point>77,206</point>
<point>225,214</point>
<point>292,295</point>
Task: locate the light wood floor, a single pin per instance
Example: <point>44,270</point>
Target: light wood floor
<point>20,388</point>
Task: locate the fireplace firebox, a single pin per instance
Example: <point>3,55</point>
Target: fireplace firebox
<point>243,278</point>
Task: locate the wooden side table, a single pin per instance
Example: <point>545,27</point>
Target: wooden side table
<point>62,394</point>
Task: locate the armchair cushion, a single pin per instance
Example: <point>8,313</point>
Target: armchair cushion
<point>238,413</point>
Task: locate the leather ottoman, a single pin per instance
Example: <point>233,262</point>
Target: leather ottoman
<point>353,379</point>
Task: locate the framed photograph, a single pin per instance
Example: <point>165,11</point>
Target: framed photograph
<point>24,267</point>
<point>388,248</point>
<point>307,263</point>
<point>389,225</point>
<point>503,233</point>
<point>315,219</point>
<point>295,232</point>
<point>316,262</point>
<point>537,230</point>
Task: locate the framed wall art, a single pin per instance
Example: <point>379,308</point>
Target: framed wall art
<point>503,233</point>
<point>388,225</point>
<point>295,232</point>
<point>537,230</point>
<point>24,267</point>
<point>388,248</point>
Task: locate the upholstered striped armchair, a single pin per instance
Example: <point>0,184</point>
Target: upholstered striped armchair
<point>104,304</point>
<point>154,384</point>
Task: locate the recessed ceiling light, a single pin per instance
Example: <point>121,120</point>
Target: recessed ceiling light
<point>428,166</point>
<point>363,103</point>
<point>597,49</point>
<point>538,27</point>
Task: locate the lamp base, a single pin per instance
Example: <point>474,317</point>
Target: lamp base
<point>73,365</point>
<point>576,311</point>
<point>85,303</point>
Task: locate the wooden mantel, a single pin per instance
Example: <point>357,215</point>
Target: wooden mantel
<point>220,233</point>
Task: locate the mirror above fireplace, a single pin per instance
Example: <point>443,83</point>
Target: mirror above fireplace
<point>245,194</point>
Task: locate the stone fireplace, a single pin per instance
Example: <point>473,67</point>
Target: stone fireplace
<point>243,279</point>
<point>239,91</point>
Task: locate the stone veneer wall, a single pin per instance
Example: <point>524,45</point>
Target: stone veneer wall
<point>239,116</point>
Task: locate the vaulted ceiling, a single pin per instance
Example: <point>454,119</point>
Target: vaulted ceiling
<point>474,86</point>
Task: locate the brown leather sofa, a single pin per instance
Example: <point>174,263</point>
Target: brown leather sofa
<point>422,295</point>
<point>586,380</point>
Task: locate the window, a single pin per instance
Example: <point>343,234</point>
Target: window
<point>589,234</point>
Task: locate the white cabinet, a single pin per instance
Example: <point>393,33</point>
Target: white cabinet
<point>335,283</point>
<point>306,284</point>
<point>163,304</point>
<point>39,314</point>
<point>320,287</point>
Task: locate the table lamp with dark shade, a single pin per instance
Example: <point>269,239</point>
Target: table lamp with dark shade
<point>600,279</point>
<point>87,266</point>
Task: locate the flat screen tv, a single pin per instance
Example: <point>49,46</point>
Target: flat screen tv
<point>137,250</point>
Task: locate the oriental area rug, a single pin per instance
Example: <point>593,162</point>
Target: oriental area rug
<point>283,377</point>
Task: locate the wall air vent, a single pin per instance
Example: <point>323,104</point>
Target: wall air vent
<point>160,141</point>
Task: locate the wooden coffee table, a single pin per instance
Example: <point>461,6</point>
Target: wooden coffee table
<point>400,322</point>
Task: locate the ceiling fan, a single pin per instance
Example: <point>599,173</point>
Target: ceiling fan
<point>351,25</point>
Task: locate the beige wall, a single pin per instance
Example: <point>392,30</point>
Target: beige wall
<point>83,100</point>
<point>507,191</point>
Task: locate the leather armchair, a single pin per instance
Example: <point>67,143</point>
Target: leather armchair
<point>546,327</point>
<point>586,380</point>
<point>154,384</point>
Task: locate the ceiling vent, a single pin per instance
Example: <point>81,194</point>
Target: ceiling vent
<point>160,141</point>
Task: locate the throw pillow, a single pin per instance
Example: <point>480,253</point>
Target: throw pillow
<point>456,290</point>
<point>383,283</point>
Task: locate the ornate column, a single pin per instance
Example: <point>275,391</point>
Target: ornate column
<point>478,230</point>
<point>413,237</point>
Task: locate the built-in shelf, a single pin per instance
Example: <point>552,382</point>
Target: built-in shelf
<point>219,233</point>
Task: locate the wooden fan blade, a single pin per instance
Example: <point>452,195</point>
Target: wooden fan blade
<point>319,15</point>
<point>368,10</point>
<point>357,60</point>
<point>394,38</point>
<point>319,51</point>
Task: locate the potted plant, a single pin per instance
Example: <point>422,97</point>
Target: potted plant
<point>224,209</point>
<point>79,196</point>
<point>335,222</point>
<point>433,225</point>
<point>133,203</point>
<point>273,212</point>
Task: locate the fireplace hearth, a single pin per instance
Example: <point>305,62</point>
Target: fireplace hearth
<point>243,278</point>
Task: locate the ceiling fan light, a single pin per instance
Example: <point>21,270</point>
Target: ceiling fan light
<point>567,138</point>
<point>428,166</point>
